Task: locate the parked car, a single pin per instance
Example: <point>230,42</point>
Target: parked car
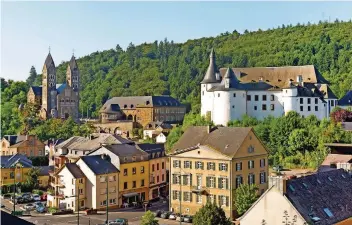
<point>41,209</point>
<point>38,204</point>
<point>121,221</point>
<point>36,197</point>
<point>43,197</point>
<point>27,197</point>
<point>172,216</point>
<point>165,215</point>
<point>180,218</point>
<point>158,213</point>
<point>188,219</point>
<point>29,206</point>
<point>18,200</point>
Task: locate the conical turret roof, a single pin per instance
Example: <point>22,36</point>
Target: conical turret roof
<point>49,60</point>
<point>210,75</point>
<point>73,63</point>
<point>229,73</point>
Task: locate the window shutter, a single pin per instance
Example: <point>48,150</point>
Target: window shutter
<point>208,166</point>
<point>180,197</point>
<point>227,200</point>
<point>227,183</point>
<point>227,167</point>
<point>196,164</point>
<point>190,179</point>
<point>214,182</point>
<point>249,179</point>
<point>219,183</point>
<point>249,164</point>
<point>220,166</point>
<point>202,165</point>
<point>184,164</point>
<point>207,181</point>
<point>174,163</point>
<point>241,165</point>
<point>179,163</point>
<point>214,199</point>
<point>184,180</point>
<point>190,196</point>
<point>263,162</point>
<point>190,164</point>
<point>219,200</point>
<point>253,179</point>
<point>173,179</point>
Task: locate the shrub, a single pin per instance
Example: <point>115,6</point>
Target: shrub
<point>52,209</point>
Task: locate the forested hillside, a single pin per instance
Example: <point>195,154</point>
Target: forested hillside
<point>176,69</point>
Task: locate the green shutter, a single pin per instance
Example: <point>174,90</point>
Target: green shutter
<point>190,164</point>
<point>202,165</point>
<point>184,164</point>
<point>180,195</point>
<point>214,199</point>
<point>190,196</point>
<point>207,181</point>
<point>219,166</point>
<point>214,182</point>
<point>207,165</point>
<point>227,200</point>
<point>227,183</point>
<point>174,163</point>
<point>219,203</point>
<point>190,179</point>
<point>227,166</point>
<point>219,183</point>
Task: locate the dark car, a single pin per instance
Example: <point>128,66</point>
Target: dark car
<point>158,213</point>
<point>188,219</point>
<point>121,221</point>
<point>165,215</point>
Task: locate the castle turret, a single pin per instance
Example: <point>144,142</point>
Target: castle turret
<point>210,75</point>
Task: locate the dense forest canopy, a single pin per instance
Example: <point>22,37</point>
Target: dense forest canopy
<point>168,68</point>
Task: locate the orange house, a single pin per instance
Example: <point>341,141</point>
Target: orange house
<point>27,145</point>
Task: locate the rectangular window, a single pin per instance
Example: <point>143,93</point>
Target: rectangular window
<point>262,163</point>
<point>239,180</point>
<point>142,183</point>
<point>125,172</point>
<point>134,184</point>
<point>264,107</point>
<point>255,108</point>
<point>272,107</point>
<point>211,166</point>
<point>223,200</point>
<point>234,95</point>
<point>176,163</point>
<point>103,191</point>
<point>157,166</point>
<point>250,164</point>
<point>248,97</point>
<point>134,170</point>
<point>239,166</point>
<point>316,108</point>
<point>125,185</point>
<point>81,181</point>
<point>332,103</point>
<point>251,179</point>
<point>162,165</point>
<point>153,168</point>
<point>223,183</point>
<point>142,169</point>
<point>308,100</point>
<point>218,95</point>
<point>316,100</point>
<point>102,179</point>
<point>175,195</point>
<point>300,100</point>
<point>272,98</point>
<point>199,198</point>
<point>301,108</point>
<point>112,201</point>
<point>211,182</point>
<point>262,177</point>
<point>73,180</point>
<point>163,177</point>
<point>308,108</point>
<point>80,191</point>
<point>256,98</point>
<point>187,164</point>
<point>175,178</point>
<point>223,166</point>
<point>199,165</point>
<point>264,97</point>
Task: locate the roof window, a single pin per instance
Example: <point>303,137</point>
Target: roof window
<point>343,175</point>
<point>305,185</point>
<point>318,181</point>
<point>328,212</point>
<point>291,188</point>
<point>329,178</point>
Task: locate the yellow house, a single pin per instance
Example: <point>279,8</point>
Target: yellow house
<point>43,178</point>
<point>134,171</point>
<point>208,164</point>
<point>28,145</point>
<point>14,168</point>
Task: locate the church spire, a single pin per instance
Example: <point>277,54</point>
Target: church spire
<point>210,75</point>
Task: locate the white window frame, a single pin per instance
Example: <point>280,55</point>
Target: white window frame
<point>199,198</point>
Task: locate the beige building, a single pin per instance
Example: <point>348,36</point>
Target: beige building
<point>28,145</point>
<point>208,164</point>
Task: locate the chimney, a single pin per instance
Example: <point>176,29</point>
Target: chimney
<point>208,129</point>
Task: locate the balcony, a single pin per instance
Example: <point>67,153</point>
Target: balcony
<point>60,184</point>
<point>200,190</point>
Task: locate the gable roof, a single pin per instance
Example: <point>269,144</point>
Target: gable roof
<point>320,193</point>
<point>37,90</point>
<point>99,165</point>
<point>333,159</point>
<point>124,150</point>
<point>7,161</point>
<point>346,100</point>
<point>44,170</point>
<point>150,148</point>
<point>157,124</point>
<point>75,170</point>
<point>226,140</point>
<point>14,139</point>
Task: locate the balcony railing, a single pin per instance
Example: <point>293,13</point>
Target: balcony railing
<point>200,190</point>
<point>60,184</point>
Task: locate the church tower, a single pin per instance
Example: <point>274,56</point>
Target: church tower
<point>72,80</point>
<point>49,92</point>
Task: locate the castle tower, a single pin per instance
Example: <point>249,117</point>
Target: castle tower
<point>48,87</point>
<point>211,79</point>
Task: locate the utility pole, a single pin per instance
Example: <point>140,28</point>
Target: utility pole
<point>107,196</point>
<point>78,203</point>
<point>14,190</point>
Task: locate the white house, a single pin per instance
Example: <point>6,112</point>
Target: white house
<point>229,93</point>
<point>161,138</point>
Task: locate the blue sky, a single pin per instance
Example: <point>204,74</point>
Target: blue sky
<point>29,28</point>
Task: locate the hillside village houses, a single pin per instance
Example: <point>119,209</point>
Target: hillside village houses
<point>229,93</point>
<point>208,163</point>
<point>28,145</point>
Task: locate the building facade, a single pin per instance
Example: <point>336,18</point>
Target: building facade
<point>208,164</point>
<point>28,145</point>
<point>142,110</point>
<point>229,93</point>
<point>57,100</point>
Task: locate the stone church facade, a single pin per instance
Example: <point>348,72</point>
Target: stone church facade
<point>57,100</point>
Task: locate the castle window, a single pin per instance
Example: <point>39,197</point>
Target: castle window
<point>308,108</point>
<point>255,108</point>
<point>316,108</point>
<point>272,107</point>
<point>301,108</point>
<point>264,97</point>
<point>264,107</point>
<point>234,95</point>
<point>301,100</point>
<point>308,100</point>
<point>248,97</point>
<point>316,100</point>
<point>256,98</point>
<point>272,97</point>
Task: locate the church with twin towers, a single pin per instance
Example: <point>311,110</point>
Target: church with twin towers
<point>57,100</point>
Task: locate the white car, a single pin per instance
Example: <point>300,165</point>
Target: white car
<point>36,197</point>
<point>29,206</point>
<point>172,216</point>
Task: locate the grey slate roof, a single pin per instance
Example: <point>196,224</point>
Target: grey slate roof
<point>37,90</point>
<point>11,160</point>
<point>151,148</point>
<point>44,170</point>
<point>124,150</point>
<point>346,100</point>
<point>60,87</point>
<point>210,75</point>
<point>132,102</point>
<point>49,60</point>
<point>14,139</point>
<point>75,170</point>
<point>73,63</point>
<point>313,194</point>
<point>226,140</point>
<point>99,165</point>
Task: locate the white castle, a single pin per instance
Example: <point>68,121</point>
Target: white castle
<point>229,93</point>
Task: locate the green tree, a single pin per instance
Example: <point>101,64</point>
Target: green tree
<point>210,214</point>
<point>32,178</point>
<point>173,137</point>
<point>245,196</point>
<point>32,76</point>
<point>149,219</point>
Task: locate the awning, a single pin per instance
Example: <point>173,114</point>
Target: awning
<point>130,194</point>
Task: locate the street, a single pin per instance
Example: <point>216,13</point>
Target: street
<point>133,216</point>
